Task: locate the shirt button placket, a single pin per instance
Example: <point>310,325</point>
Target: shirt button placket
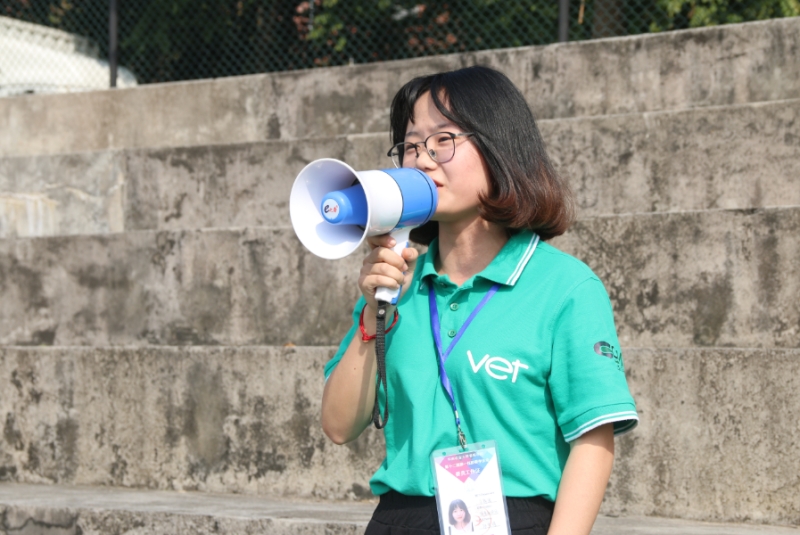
<point>454,306</point>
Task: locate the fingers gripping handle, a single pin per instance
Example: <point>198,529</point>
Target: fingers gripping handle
<point>390,295</point>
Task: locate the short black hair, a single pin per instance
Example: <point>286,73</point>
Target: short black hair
<point>461,505</point>
<point>525,192</point>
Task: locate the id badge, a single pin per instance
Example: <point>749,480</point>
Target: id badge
<point>469,490</point>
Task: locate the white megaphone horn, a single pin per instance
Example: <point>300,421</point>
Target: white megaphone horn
<point>334,208</point>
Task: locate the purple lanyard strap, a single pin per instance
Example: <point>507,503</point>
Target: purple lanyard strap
<point>443,355</point>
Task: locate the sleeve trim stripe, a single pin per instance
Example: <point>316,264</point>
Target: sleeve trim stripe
<point>602,420</point>
<point>626,427</point>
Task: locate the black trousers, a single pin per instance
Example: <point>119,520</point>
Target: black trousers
<point>398,514</point>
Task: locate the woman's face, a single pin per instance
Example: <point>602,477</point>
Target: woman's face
<point>458,181</point>
<point>458,514</point>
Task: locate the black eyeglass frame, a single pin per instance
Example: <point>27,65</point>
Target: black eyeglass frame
<point>431,154</point>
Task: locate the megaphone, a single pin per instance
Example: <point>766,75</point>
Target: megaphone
<point>334,208</point>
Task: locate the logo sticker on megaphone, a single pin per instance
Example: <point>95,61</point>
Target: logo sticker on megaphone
<point>334,208</point>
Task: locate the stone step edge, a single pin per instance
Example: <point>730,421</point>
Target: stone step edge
<point>256,106</point>
<point>652,113</point>
<point>134,500</point>
<point>108,235</point>
<point>76,509</point>
<point>359,135</point>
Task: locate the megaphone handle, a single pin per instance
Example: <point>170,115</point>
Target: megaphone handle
<point>389,295</point>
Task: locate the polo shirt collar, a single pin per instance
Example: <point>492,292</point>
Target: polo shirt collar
<point>506,267</point>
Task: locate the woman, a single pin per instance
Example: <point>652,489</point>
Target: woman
<point>526,372</point>
<point>459,517</point>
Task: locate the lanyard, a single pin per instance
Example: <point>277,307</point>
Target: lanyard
<point>443,355</point>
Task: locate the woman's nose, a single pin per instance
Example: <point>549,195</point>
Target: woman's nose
<point>425,159</point>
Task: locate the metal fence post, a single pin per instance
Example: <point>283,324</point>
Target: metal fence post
<point>112,41</point>
<point>563,21</point>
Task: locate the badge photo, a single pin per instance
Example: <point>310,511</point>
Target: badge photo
<point>469,490</point>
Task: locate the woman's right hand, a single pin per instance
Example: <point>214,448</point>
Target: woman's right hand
<point>349,394</point>
<point>384,268</point>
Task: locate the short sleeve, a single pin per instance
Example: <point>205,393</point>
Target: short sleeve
<point>587,375</point>
<point>331,364</point>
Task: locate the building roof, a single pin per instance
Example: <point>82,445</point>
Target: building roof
<point>39,59</point>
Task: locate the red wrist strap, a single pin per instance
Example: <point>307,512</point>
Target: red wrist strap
<point>367,337</point>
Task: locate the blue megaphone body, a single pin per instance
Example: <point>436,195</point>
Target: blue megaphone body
<point>417,190</point>
<point>345,207</point>
<point>334,208</point>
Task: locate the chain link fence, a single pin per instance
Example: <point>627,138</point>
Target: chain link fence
<point>63,45</point>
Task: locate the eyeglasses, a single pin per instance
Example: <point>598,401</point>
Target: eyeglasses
<point>441,147</point>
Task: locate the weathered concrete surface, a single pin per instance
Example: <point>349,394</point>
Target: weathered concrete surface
<point>724,157</point>
<point>63,510</point>
<point>745,156</point>
<point>220,185</point>
<point>210,419</point>
<point>712,66</point>
<point>717,438</point>
<point>87,510</point>
<point>724,278</point>
<point>67,510</point>
<point>714,278</point>
<point>80,193</point>
<point>225,287</point>
<point>729,157</point>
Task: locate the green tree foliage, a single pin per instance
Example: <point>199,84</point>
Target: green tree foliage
<point>87,18</point>
<point>362,30</point>
<point>165,40</point>
<point>186,39</point>
<point>695,13</point>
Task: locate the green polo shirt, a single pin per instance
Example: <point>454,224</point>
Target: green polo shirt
<point>539,366</point>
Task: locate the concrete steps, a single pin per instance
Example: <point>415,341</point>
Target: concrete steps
<point>67,510</point>
<point>715,277</point>
<point>75,510</point>
<point>153,282</point>
<point>714,425</point>
<point>210,419</point>
<point>741,156</point>
<point>733,64</point>
<point>724,278</point>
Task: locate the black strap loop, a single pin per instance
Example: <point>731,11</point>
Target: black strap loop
<point>380,356</point>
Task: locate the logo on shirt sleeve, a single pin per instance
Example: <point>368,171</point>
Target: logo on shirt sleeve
<point>604,349</point>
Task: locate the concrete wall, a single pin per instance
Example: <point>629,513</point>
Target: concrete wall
<point>213,419</point>
<point>68,510</point>
<point>745,156</point>
<point>727,278</point>
<point>714,66</point>
<point>245,420</point>
<point>144,236</point>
